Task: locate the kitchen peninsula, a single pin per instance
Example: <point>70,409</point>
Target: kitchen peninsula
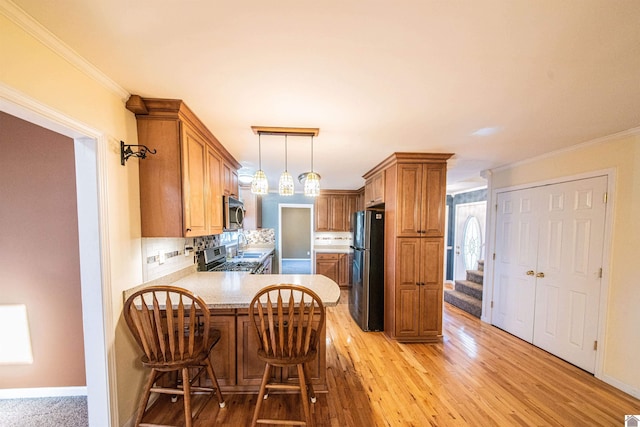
<point>228,295</point>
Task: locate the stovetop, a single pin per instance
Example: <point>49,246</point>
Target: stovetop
<point>237,266</point>
<point>215,259</point>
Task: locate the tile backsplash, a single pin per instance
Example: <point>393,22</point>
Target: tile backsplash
<point>264,235</point>
<point>163,256</point>
<point>337,238</point>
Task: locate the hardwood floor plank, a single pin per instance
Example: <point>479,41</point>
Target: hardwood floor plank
<point>477,375</point>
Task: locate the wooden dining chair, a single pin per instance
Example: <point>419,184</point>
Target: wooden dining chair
<point>174,337</point>
<point>288,320</point>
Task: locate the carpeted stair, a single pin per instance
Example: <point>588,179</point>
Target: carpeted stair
<point>467,294</point>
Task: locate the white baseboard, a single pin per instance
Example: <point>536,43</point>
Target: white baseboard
<point>629,389</point>
<point>22,393</point>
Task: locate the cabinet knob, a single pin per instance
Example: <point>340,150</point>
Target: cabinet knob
<point>530,273</point>
<point>541,275</point>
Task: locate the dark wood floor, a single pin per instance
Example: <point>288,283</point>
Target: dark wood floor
<point>478,375</point>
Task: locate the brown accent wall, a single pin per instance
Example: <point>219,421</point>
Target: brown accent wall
<point>38,218</point>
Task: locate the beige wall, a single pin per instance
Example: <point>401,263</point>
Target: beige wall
<point>34,70</point>
<point>39,257</point>
<point>623,317</point>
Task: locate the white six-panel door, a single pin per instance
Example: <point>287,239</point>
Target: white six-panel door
<point>516,253</point>
<point>549,243</point>
<point>571,240</point>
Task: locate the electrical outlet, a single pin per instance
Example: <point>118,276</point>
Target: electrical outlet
<point>161,258</point>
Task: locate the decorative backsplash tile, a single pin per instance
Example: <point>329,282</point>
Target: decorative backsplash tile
<point>339,238</point>
<point>264,235</point>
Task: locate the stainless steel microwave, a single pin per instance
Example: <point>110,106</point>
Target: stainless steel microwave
<point>233,213</point>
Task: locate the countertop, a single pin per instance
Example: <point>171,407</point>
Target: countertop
<point>233,290</point>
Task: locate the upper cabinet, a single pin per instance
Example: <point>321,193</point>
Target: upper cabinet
<point>374,189</point>
<point>230,180</point>
<point>333,209</point>
<point>421,196</point>
<point>181,186</point>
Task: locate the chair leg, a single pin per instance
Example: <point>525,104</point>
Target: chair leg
<point>186,388</point>
<point>144,399</point>
<point>303,394</point>
<point>214,380</point>
<point>263,387</point>
<point>312,393</point>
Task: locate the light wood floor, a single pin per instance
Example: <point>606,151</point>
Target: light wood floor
<point>478,375</point>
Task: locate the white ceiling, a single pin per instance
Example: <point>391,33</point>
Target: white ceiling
<point>375,76</point>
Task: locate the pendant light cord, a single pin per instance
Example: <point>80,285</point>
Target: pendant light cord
<point>311,153</point>
<point>259,151</point>
<point>285,153</point>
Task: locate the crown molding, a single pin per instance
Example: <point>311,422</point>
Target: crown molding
<point>47,38</point>
<point>603,139</point>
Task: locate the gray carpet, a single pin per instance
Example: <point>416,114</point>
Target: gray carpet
<point>44,412</point>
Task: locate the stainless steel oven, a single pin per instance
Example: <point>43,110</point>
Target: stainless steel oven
<point>233,213</point>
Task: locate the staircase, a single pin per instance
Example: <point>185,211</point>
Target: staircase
<point>467,294</point>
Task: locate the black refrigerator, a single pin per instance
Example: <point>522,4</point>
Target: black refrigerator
<point>366,296</point>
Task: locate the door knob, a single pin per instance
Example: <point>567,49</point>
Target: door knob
<point>540,275</point>
<point>530,273</point>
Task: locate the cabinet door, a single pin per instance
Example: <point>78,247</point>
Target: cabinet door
<point>316,369</point>
<point>351,206</point>
<point>223,356</point>
<point>431,280</point>
<point>343,270</point>
<point>407,310</point>
<point>374,190</point>
<point>214,163</point>
<point>433,200</point>
<point>230,180</point>
<point>194,181</point>
<point>322,213</point>
<point>337,219</point>
<point>250,367</point>
<point>409,200</point>
<point>327,265</point>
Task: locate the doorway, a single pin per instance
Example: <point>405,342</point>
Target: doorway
<point>469,237</point>
<point>295,240</point>
<point>90,151</point>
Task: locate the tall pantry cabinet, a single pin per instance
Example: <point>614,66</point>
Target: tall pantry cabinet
<point>414,204</point>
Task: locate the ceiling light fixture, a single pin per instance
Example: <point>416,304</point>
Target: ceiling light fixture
<point>312,179</point>
<point>285,186</point>
<point>260,184</point>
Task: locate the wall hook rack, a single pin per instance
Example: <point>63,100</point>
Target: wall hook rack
<point>126,152</point>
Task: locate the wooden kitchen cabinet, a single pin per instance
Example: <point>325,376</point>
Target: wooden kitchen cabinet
<point>181,186</point>
<point>418,299</point>
<point>414,190</point>
<point>230,180</point>
<point>223,355</point>
<point>345,263</point>
<point>422,192</point>
<point>328,264</point>
<point>336,266</point>
<point>251,368</point>
<point>333,210</point>
<point>374,190</point>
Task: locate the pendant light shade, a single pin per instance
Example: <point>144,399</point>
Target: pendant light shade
<point>259,184</point>
<point>285,186</point>
<point>312,185</point>
<point>312,180</point>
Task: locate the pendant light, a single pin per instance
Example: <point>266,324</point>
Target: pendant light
<point>285,186</point>
<point>259,184</point>
<point>312,179</point>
